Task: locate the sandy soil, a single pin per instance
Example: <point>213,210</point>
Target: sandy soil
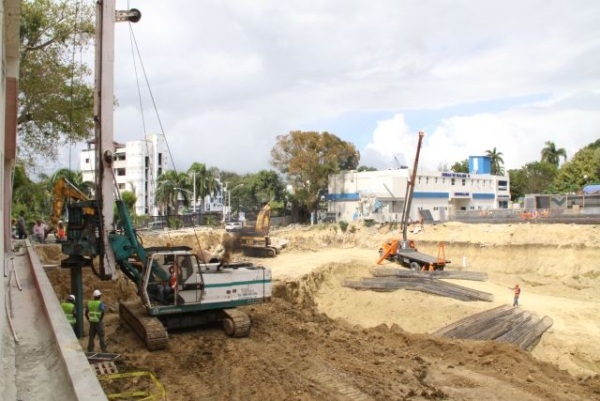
<point>317,340</point>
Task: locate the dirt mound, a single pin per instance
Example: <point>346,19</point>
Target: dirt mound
<point>319,341</point>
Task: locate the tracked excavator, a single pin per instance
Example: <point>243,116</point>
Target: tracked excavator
<point>175,289</point>
<point>404,251</point>
<point>256,241</point>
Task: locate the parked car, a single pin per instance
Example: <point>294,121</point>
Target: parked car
<point>157,225</point>
<point>233,226</point>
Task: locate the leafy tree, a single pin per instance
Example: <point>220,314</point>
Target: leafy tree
<point>365,168</point>
<point>582,169</point>
<point>518,184</point>
<point>55,90</point>
<point>307,159</point>
<point>260,188</point>
<point>552,155</point>
<point>533,178</point>
<point>129,200</point>
<point>496,160</point>
<point>28,196</point>
<point>461,167</point>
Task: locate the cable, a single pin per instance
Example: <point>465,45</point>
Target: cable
<point>152,97</point>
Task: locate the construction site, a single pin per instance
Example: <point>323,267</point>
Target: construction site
<point>402,310</point>
<point>317,339</point>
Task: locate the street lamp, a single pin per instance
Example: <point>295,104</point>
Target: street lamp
<point>229,201</point>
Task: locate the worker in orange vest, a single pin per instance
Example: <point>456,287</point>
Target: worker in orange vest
<point>517,291</point>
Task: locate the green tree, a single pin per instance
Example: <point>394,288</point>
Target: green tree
<point>261,188</point>
<point>55,90</point>
<point>307,159</point>
<point>461,167</point>
<point>496,160</point>
<point>365,168</point>
<point>205,181</point>
<point>169,187</point>
<point>129,200</point>
<point>28,196</point>
<point>533,178</point>
<point>552,155</point>
<point>583,168</point>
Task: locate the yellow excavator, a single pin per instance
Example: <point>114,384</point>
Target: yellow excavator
<point>256,242</point>
<point>64,190</point>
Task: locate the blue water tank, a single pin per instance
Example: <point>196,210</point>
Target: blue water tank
<point>480,165</point>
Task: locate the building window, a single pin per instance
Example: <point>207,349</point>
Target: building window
<point>426,180</point>
<point>87,160</point>
<point>464,182</point>
<point>452,181</point>
<point>435,180</point>
<point>121,186</point>
<point>120,172</point>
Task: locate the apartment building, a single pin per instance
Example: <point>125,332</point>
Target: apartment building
<point>380,195</point>
<point>137,165</point>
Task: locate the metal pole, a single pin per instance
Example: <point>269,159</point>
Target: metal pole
<point>194,175</point>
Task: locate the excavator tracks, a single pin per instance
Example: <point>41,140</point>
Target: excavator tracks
<point>149,329</point>
<point>236,323</point>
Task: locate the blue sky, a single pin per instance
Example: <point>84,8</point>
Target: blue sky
<point>228,77</point>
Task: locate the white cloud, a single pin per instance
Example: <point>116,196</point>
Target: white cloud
<point>228,77</point>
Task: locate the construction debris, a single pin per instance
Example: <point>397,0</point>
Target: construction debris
<point>504,323</point>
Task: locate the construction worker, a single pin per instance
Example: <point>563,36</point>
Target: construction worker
<point>517,291</point>
<point>68,306</point>
<point>94,313</point>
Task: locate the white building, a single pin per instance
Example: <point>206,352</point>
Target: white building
<point>380,195</point>
<point>137,165</point>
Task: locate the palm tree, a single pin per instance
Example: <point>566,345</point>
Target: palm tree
<point>169,186</point>
<point>496,161</point>
<point>552,155</point>
<point>206,182</point>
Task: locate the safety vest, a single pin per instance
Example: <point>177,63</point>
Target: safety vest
<point>68,308</point>
<point>94,311</point>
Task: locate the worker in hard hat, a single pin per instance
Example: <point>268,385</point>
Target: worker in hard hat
<point>68,306</point>
<point>94,313</point>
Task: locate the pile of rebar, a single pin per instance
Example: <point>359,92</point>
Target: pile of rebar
<point>395,279</point>
<point>512,325</point>
<point>458,275</point>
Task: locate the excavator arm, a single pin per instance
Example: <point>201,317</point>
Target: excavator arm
<point>129,252</point>
<point>63,189</point>
<point>263,221</point>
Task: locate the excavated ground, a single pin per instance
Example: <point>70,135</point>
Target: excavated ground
<point>317,340</point>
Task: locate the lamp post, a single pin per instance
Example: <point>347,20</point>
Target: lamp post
<point>229,201</point>
<point>177,210</point>
<point>194,181</point>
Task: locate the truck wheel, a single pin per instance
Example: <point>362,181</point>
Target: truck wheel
<point>414,266</point>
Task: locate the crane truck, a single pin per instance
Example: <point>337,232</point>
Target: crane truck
<point>175,289</point>
<point>404,250</point>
